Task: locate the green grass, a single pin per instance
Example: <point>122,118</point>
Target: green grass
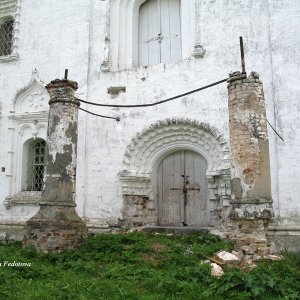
<point>138,266</point>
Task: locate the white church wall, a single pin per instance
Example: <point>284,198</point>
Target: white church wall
<point>220,24</point>
<point>52,37</point>
<point>57,35</point>
<point>285,41</point>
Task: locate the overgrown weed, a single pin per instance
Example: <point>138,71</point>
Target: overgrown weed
<point>139,266</point>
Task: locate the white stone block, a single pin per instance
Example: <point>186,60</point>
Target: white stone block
<point>274,257</point>
<point>227,257</point>
<point>216,270</point>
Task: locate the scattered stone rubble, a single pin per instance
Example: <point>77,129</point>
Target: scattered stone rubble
<point>240,259</point>
<point>227,257</point>
<point>244,257</point>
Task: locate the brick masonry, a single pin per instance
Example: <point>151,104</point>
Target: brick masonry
<point>250,166</point>
<point>138,211</point>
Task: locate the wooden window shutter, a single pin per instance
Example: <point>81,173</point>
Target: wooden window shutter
<point>159,32</point>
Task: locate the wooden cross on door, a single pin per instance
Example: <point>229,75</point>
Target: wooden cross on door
<point>185,190</point>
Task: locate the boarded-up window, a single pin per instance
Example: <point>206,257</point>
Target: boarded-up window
<point>159,32</point>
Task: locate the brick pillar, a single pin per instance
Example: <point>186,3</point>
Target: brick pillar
<point>250,164</point>
<point>56,226</point>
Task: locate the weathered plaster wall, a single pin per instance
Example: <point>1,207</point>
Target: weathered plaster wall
<point>57,35</point>
<point>52,36</point>
<point>285,42</point>
<point>144,85</point>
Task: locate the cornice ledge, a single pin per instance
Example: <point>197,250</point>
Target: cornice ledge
<point>9,58</point>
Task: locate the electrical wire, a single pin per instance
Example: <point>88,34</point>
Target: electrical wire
<point>274,130</point>
<point>155,103</point>
<point>106,117</point>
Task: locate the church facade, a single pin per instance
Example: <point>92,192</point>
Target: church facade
<point>163,165</point>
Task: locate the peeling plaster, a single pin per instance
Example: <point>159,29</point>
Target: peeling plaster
<point>58,139</point>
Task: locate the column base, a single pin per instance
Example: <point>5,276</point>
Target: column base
<point>55,229</point>
<point>251,237</point>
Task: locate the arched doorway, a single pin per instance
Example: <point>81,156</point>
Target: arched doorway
<point>182,191</point>
<point>156,146</point>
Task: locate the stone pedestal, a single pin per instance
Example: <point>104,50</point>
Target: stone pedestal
<point>56,226</point>
<point>250,166</point>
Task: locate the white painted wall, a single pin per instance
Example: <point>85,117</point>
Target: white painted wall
<point>286,74</point>
<point>57,35</point>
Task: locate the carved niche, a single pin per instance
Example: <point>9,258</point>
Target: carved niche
<point>28,120</point>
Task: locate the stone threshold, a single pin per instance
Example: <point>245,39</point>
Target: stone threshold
<point>176,230</point>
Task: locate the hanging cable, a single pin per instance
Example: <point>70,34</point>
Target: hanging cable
<point>275,130</point>
<point>156,103</point>
<point>106,117</point>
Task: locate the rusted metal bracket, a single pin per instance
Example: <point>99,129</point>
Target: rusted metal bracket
<point>242,55</point>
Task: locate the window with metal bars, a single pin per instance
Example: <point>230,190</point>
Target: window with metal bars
<point>6,36</point>
<point>35,165</point>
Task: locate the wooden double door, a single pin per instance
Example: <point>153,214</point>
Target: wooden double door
<point>182,190</point>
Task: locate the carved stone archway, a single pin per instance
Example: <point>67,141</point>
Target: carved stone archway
<point>149,147</point>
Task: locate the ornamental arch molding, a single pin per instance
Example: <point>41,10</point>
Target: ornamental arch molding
<point>28,120</point>
<point>153,144</point>
<point>32,99</point>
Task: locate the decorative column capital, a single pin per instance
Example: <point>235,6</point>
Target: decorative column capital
<point>61,83</point>
<point>62,90</point>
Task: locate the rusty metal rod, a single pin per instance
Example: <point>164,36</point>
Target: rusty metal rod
<point>242,55</point>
